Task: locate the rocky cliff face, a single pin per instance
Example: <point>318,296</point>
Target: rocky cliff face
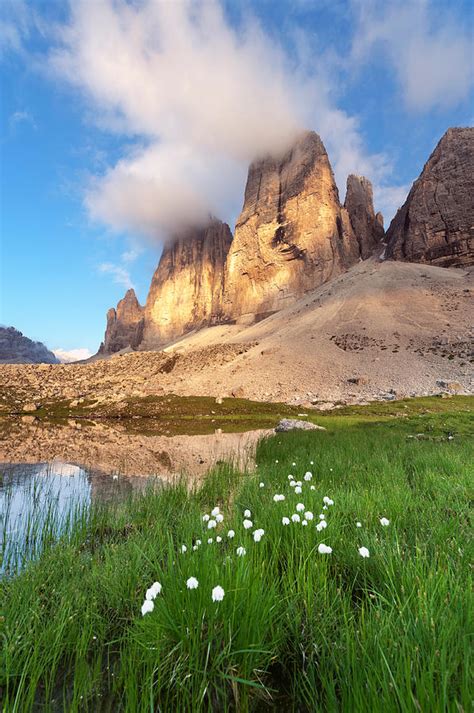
<point>187,287</point>
<point>436,223</point>
<point>124,325</point>
<point>291,235</point>
<point>366,225</point>
<point>15,348</point>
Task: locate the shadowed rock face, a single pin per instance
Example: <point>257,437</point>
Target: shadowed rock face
<point>186,289</point>
<point>15,348</point>
<point>291,235</point>
<point>124,325</point>
<point>359,204</point>
<point>436,223</point>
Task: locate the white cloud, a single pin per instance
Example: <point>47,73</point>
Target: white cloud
<point>68,355</point>
<point>19,117</point>
<point>201,99</point>
<point>429,49</point>
<point>119,273</point>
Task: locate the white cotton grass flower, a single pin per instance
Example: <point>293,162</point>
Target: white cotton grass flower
<point>241,551</point>
<point>290,477</point>
<point>295,517</point>
<point>300,507</point>
<point>308,476</point>
<point>215,511</point>
<point>261,485</point>
<point>195,547</point>
<point>218,594</point>
<point>147,607</point>
<point>311,462</point>
<point>312,487</point>
<point>292,483</point>
<point>218,538</point>
<point>153,591</point>
<point>258,534</point>
<point>278,497</point>
<point>324,549</point>
<point>328,501</point>
<point>192,583</point>
<point>231,534</point>
<point>304,523</point>
<point>211,524</point>
<point>285,520</point>
<point>299,483</point>
<point>276,461</point>
<point>198,542</point>
<point>210,541</point>
<point>358,524</point>
<point>364,552</point>
<point>308,515</point>
<point>219,517</point>
<point>325,507</point>
<point>322,524</point>
<point>384,522</point>
<point>247,513</point>
<point>294,465</point>
<point>183,549</point>
<point>247,524</point>
<point>205,518</point>
<point>322,516</point>
<point>298,490</point>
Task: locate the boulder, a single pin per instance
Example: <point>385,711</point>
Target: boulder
<point>291,424</point>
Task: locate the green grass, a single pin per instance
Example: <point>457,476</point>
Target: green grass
<point>297,630</point>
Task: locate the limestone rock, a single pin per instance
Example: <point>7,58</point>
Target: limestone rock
<point>15,348</point>
<point>367,227</point>
<point>436,223</point>
<point>186,289</point>
<point>124,325</point>
<point>290,235</point>
<point>290,424</point>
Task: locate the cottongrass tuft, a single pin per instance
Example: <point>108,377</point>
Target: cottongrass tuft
<point>298,490</point>
<point>247,524</point>
<point>308,515</point>
<point>300,507</point>
<point>358,524</point>
<point>304,523</point>
<point>147,607</point>
<point>205,518</point>
<point>322,524</point>
<point>278,497</point>
<point>308,476</point>
<point>231,534</point>
<point>258,534</point>
<point>219,517</point>
<point>364,552</point>
<point>153,591</point>
<point>285,520</point>
<point>211,524</point>
<point>241,551</point>
<point>215,511</point>
<point>192,583</point>
<point>247,513</point>
<point>384,522</point>
<point>183,549</point>
<point>210,541</point>
<point>218,538</point>
<point>295,517</point>
<point>324,549</point>
<point>218,594</point>
<point>261,485</point>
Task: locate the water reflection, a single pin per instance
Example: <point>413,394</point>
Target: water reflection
<point>39,501</point>
<point>112,448</point>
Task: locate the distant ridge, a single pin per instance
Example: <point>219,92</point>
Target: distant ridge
<point>15,348</point>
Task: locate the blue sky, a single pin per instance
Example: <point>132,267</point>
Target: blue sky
<point>119,120</point>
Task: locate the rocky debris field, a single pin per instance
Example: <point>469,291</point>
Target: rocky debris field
<point>379,332</point>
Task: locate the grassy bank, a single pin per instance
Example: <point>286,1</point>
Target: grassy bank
<point>296,630</point>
